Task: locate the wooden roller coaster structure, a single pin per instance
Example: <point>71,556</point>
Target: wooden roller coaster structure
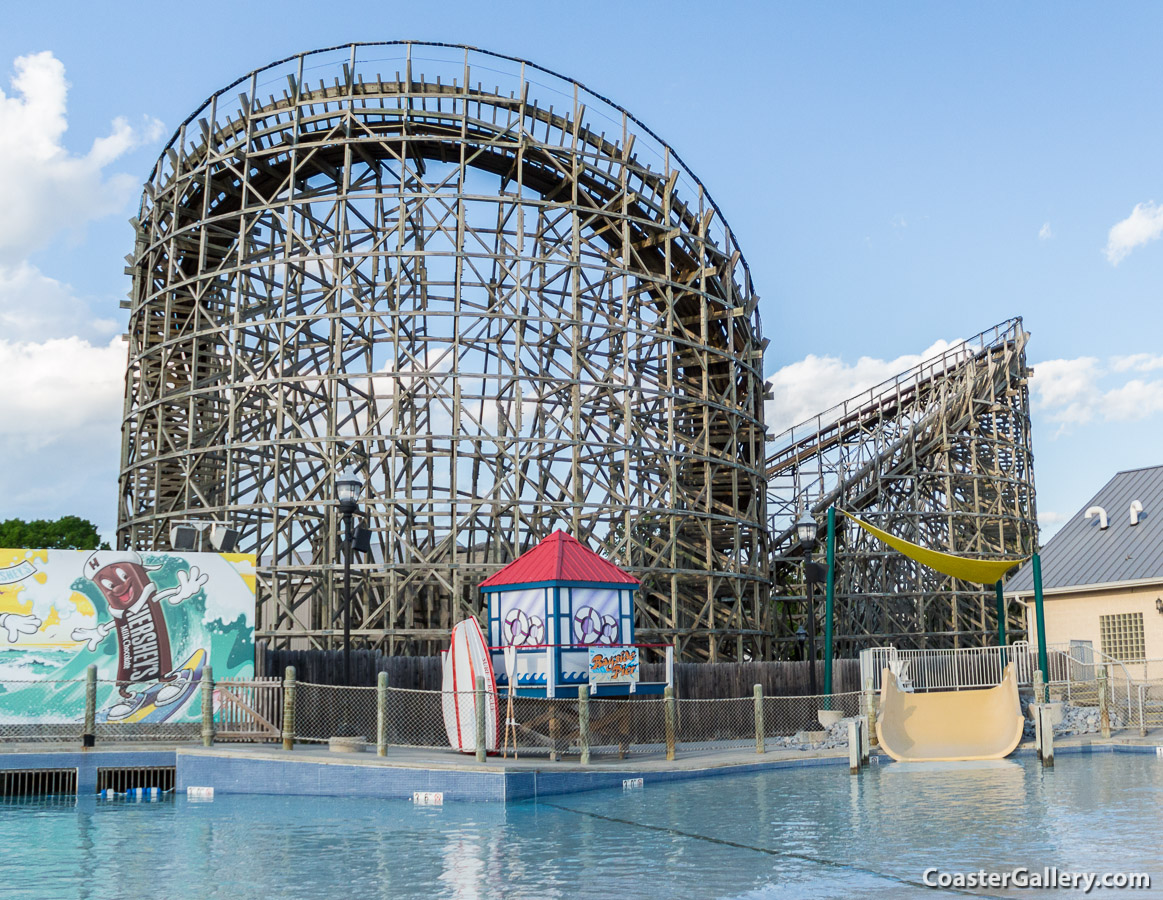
<point>512,307</point>
<point>939,455</point>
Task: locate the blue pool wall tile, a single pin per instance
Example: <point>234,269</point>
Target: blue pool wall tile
<point>87,762</point>
<point>234,774</point>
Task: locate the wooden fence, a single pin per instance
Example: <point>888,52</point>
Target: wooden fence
<point>248,710</point>
<point>693,681</point>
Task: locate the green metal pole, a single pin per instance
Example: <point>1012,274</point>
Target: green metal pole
<point>829,601</point>
<point>1040,614</point>
<point>1001,621</point>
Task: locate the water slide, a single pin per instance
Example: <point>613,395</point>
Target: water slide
<point>949,725</point>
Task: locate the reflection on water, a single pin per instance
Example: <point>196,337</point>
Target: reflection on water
<point>795,833</point>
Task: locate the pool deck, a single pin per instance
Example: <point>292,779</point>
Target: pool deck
<point>314,770</point>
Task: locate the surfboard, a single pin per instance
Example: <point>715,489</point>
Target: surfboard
<point>465,659</point>
<point>148,710</point>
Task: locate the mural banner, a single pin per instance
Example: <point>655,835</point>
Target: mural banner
<point>613,665</point>
<point>150,622</point>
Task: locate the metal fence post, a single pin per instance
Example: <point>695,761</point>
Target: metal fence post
<point>1142,721</point>
<point>583,722</point>
<point>482,750</point>
<point>1104,717</point>
<point>668,712</point>
<point>289,709</point>
<point>759,729</point>
<point>382,714</point>
<point>207,707</point>
<point>89,736</point>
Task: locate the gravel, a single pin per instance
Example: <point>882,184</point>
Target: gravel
<point>1075,720</point>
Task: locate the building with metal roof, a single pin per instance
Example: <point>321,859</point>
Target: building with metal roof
<point>1102,574</point>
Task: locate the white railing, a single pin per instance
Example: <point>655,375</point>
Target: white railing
<point>1071,668</point>
<point>951,669</point>
<point>1074,667</point>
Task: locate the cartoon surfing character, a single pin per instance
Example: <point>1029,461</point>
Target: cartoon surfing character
<point>143,640</point>
<point>16,625</point>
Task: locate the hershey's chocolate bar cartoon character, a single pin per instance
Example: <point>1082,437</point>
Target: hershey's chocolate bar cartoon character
<point>143,641</point>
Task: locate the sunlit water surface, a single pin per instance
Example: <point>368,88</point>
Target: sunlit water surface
<point>792,833</point>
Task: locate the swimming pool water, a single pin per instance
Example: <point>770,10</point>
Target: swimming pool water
<point>791,833</point>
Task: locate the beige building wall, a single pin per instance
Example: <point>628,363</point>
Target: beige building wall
<point>1073,616</point>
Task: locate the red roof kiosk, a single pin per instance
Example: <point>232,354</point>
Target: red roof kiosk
<point>554,604</point>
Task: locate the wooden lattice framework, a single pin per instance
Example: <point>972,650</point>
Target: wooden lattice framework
<point>939,455</point>
<point>513,306</point>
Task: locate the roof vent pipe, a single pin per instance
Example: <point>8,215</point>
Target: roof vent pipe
<point>1136,508</point>
<point>1097,511</point>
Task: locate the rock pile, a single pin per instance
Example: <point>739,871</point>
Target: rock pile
<point>1075,720</point>
<point>835,738</point>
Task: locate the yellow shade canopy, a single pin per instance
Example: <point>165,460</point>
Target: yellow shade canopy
<point>982,571</point>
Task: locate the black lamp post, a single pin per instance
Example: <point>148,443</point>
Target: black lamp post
<point>806,531</point>
<point>348,487</point>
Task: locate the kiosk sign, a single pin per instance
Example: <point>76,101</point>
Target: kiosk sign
<point>613,665</point>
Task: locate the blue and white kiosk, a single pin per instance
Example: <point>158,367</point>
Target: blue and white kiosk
<point>566,618</point>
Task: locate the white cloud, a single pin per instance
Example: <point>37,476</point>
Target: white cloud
<point>63,389</point>
<point>47,189</point>
<point>1144,224</point>
<point>1078,391</point>
<point>1064,392</point>
<point>34,307</point>
<point>1139,362</point>
<point>1045,233</point>
<point>806,388</point>
<point>60,428</point>
<point>1067,389</point>
<point>60,410</point>
<point>1136,399</point>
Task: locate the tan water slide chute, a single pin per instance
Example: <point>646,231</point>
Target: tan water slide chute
<point>949,725</point>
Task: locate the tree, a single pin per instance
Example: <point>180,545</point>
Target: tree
<point>65,533</point>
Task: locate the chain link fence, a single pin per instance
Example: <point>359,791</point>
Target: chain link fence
<point>324,711</point>
<point>54,712</point>
<point>1147,709</point>
<point>787,716</point>
<point>42,711</point>
<point>703,723</point>
<point>131,713</point>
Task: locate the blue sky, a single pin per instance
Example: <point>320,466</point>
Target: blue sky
<point>897,175</point>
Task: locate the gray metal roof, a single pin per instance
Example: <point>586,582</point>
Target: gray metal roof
<point>1083,554</point>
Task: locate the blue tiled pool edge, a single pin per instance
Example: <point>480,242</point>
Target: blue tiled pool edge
<point>86,762</point>
<point>234,774</point>
<point>230,774</point>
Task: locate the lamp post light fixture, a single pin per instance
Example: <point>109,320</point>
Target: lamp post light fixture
<point>348,487</point>
<point>806,529</point>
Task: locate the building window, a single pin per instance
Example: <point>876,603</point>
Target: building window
<point>1122,636</point>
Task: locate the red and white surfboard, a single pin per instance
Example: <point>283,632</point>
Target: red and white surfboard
<point>466,658</point>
